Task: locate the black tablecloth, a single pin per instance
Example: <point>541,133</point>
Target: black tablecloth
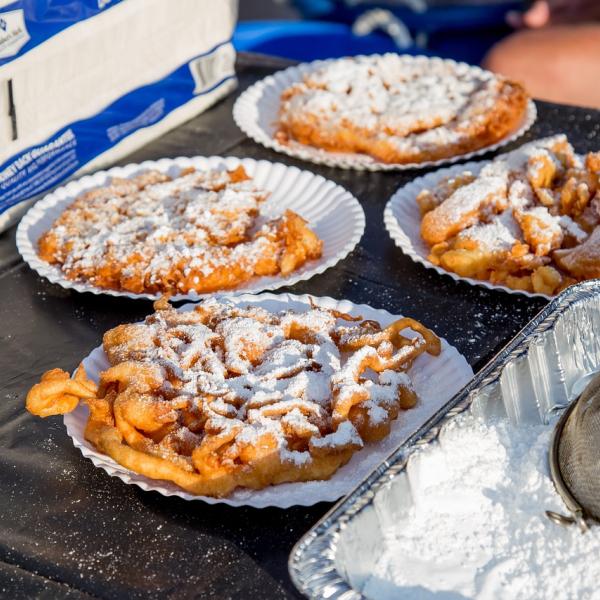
<point>69,530</point>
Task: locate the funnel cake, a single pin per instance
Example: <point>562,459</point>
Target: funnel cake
<point>529,220</point>
<point>225,396</point>
<point>400,109</point>
<point>199,231</point>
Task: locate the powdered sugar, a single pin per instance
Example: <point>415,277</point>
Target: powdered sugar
<point>426,373</point>
<point>572,229</point>
<point>398,106</point>
<point>517,221</point>
<point>476,194</point>
<point>477,526</point>
<point>345,435</point>
<point>390,90</point>
<point>199,231</point>
<point>263,377</point>
<point>501,234</point>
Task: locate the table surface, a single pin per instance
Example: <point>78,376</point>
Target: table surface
<point>71,531</point>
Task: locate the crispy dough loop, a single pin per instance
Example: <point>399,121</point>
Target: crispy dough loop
<point>370,334</point>
<point>57,393</point>
<point>141,377</point>
<point>347,396</point>
<point>207,457</point>
<point>433,344</point>
<point>136,439</point>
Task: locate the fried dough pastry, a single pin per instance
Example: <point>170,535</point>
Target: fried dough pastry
<point>463,208</point>
<point>582,261</point>
<point>225,396</point>
<point>529,220</point>
<point>157,234</point>
<point>400,109</point>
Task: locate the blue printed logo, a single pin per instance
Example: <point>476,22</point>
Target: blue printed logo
<point>13,32</point>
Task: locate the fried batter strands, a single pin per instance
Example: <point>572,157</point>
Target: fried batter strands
<point>198,232</point>
<point>298,412</point>
<point>433,344</point>
<point>131,374</point>
<point>57,393</point>
<point>346,396</point>
<point>547,208</point>
<point>369,334</point>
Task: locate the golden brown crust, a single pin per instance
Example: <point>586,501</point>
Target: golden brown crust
<point>492,111</point>
<point>530,220</point>
<point>153,234</point>
<point>223,396</point>
<point>582,261</point>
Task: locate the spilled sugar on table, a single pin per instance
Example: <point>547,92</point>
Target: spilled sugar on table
<point>71,531</point>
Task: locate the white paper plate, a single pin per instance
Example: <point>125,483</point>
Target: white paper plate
<point>403,222</point>
<point>256,111</point>
<point>331,211</point>
<point>436,380</point>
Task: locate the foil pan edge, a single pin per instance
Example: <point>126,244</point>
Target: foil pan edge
<point>312,562</point>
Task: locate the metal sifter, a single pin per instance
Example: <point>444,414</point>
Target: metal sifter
<point>575,458</point>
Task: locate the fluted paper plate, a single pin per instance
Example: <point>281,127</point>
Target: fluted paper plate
<point>331,211</point>
<point>403,222</point>
<point>256,112</point>
<point>436,380</point>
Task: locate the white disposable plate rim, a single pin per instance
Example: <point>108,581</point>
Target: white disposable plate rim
<point>402,220</point>
<point>247,108</point>
<point>453,367</point>
<point>349,219</point>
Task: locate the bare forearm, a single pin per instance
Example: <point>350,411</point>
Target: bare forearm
<point>552,12</point>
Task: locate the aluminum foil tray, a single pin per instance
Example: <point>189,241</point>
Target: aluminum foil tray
<point>532,377</point>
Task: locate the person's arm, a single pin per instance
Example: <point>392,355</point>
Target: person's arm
<point>550,12</point>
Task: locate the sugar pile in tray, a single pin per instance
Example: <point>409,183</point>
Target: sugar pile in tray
<point>477,527</point>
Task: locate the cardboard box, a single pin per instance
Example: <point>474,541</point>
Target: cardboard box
<point>85,89</point>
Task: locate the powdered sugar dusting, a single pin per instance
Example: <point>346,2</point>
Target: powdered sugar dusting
<point>264,378</point>
<point>200,231</point>
<point>426,373</point>
<point>400,108</point>
<point>501,234</point>
<point>524,221</point>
